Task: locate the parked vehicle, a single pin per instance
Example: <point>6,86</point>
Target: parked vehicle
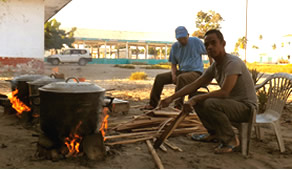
<point>80,56</point>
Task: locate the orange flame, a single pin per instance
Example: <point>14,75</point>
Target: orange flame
<point>55,69</point>
<point>73,141</point>
<point>18,105</point>
<point>104,124</point>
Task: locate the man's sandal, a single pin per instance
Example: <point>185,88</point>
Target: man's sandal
<point>204,138</point>
<point>148,107</point>
<point>223,148</point>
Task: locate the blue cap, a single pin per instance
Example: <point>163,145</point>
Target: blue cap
<point>180,32</point>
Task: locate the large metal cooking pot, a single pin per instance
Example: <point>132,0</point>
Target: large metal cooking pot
<point>66,104</point>
<point>20,83</point>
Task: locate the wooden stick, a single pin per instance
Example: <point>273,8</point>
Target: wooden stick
<point>165,113</point>
<point>154,155</point>
<point>144,129</point>
<point>170,129</point>
<point>130,135</point>
<point>130,141</point>
<point>163,148</point>
<point>172,146</point>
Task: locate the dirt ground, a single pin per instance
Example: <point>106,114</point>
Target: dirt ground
<point>17,145</point>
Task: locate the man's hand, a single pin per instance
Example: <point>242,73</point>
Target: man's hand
<point>188,106</point>
<point>174,78</point>
<point>165,102</point>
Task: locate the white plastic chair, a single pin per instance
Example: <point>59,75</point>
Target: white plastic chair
<point>278,88</point>
<point>244,130</point>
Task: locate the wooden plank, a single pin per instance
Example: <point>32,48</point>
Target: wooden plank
<point>154,155</point>
<point>130,135</point>
<point>140,123</point>
<point>172,146</point>
<point>130,141</point>
<point>170,129</point>
<point>165,113</point>
<point>144,129</point>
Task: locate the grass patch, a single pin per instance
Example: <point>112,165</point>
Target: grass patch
<point>157,67</point>
<point>139,63</point>
<point>270,68</point>
<point>138,76</point>
<point>127,66</point>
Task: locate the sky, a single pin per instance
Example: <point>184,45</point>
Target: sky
<point>271,18</point>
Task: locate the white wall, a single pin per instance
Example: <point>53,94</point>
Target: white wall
<point>22,28</point>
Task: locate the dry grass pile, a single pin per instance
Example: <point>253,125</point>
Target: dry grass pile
<point>138,76</point>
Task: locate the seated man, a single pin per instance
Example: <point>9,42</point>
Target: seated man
<point>186,53</point>
<point>232,103</point>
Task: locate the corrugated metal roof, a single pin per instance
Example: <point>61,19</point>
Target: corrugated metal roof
<point>52,7</point>
<point>123,36</point>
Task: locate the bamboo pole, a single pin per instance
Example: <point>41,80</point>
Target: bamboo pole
<point>154,155</point>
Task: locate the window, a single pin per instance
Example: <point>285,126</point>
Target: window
<point>66,52</point>
<point>75,52</point>
<point>83,51</point>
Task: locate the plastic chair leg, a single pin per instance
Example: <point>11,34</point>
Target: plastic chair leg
<point>244,138</point>
<point>280,141</point>
<point>259,132</point>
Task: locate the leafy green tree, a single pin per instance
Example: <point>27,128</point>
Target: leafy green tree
<point>206,21</point>
<point>56,37</point>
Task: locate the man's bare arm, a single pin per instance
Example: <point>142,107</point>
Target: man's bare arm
<point>202,80</point>
<point>224,92</point>
<point>173,72</point>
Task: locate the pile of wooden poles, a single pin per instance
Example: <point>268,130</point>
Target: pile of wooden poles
<point>150,125</point>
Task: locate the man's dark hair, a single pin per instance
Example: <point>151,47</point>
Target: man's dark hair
<point>217,32</point>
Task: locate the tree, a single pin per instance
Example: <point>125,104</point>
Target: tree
<point>274,46</point>
<point>206,21</point>
<point>56,37</point>
<point>260,37</point>
<point>255,47</point>
<point>240,44</point>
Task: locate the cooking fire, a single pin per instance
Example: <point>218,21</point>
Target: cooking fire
<point>18,105</point>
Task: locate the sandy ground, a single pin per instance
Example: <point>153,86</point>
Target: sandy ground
<point>17,145</point>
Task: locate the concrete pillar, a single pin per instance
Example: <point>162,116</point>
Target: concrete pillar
<point>110,51</point>
<point>160,51</point>
<point>146,51</point>
<point>105,49</point>
<point>98,51</point>
<point>165,54</point>
<point>127,50</point>
<point>137,52</point>
<point>118,51</point>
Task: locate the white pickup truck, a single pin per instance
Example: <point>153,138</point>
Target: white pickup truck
<point>80,56</point>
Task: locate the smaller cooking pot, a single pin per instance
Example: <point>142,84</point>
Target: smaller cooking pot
<point>34,94</point>
<point>20,83</point>
<point>36,84</point>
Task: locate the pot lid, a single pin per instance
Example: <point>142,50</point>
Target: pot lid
<point>71,87</point>
<point>44,81</point>
<point>28,77</point>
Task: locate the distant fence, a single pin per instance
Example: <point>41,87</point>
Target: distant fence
<point>129,61</point>
<point>125,61</point>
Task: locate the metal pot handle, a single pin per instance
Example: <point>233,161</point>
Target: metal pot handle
<point>52,76</point>
<point>72,78</point>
